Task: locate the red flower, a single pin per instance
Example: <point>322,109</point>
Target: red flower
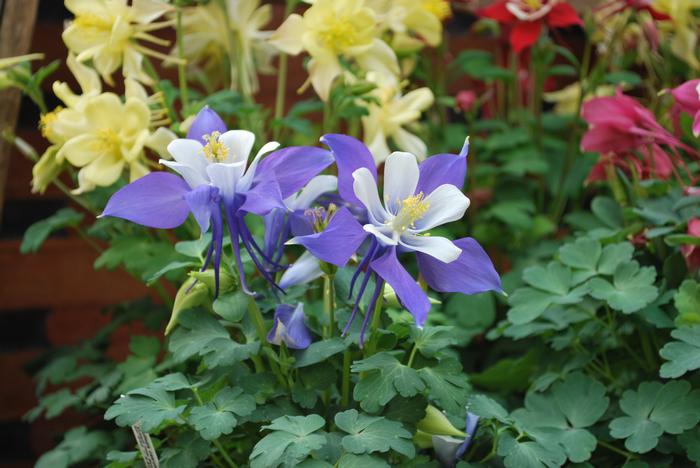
<point>687,98</point>
<point>528,16</point>
<point>465,100</point>
<point>692,252</point>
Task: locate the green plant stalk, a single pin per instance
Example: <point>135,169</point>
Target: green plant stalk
<point>182,75</point>
<point>329,303</point>
<point>216,442</point>
<point>259,323</point>
<point>345,384</point>
<point>376,320</point>
<point>619,451</point>
<point>280,100</point>
<point>412,356</point>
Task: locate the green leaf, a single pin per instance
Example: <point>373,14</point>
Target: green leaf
<point>508,374</point>
<point>291,441</point>
<point>188,452</point>
<point>370,434</point>
<point>232,306</point>
<point>561,416</point>
<point>447,385</point>
<point>687,301</point>
<point>78,445</point>
<point>683,354</point>
<point>528,454</point>
<point>608,211</point>
<point>385,378</point>
<point>631,290</point>
<point>690,440</point>
<point>623,77</point>
<point>202,335</point>
<point>431,340</point>
<point>613,256</point>
<point>654,409</point>
<point>583,254</point>
<point>219,416</point>
<point>350,460</point>
<point>151,406</point>
<point>53,404</point>
<point>38,232</point>
<point>320,351</point>
<point>487,408</point>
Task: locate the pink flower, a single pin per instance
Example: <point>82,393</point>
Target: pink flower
<point>687,98</point>
<point>465,100</point>
<point>692,252</point>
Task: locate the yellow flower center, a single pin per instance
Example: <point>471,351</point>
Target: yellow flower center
<point>89,21</point>
<point>439,8</point>
<point>108,140</point>
<point>215,150</point>
<point>338,34</point>
<point>533,4</point>
<point>412,209</point>
<point>45,122</point>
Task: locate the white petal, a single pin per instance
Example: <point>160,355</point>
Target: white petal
<point>192,176</point>
<point>314,189</point>
<point>381,236</point>
<point>439,247</point>
<point>247,179</point>
<point>446,204</point>
<point>400,179</point>
<point>306,269</point>
<point>188,152</point>
<point>239,143</point>
<point>407,141</point>
<point>226,177</point>
<point>365,189</point>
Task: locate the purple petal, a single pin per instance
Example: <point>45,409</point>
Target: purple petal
<point>350,154</point>
<point>473,272</point>
<point>206,122</point>
<point>470,429</point>
<point>442,169</point>
<point>289,327</point>
<point>202,201</point>
<point>293,167</point>
<point>155,200</point>
<point>264,197</point>
<point>409,293</point>
<point>276,231</point>
<point>300,224</point>
<point>338,242</point>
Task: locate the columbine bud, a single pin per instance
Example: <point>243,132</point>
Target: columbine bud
<point>289,327</point>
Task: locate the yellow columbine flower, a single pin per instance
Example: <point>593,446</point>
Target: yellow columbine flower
<point>683,26</point>
<point>413,22</point>
<point>208,39</point>
<point>566,99</point>
<point>331,29</point>
<point>108,33</point>
<point>387,119</point>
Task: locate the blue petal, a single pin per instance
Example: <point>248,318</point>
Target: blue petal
<point>289,327</point>
<point>350,154</point>
<point>293,167</point>
<point>206,122</point>
<point>473,272</point>
<point>442,169</point>
<point>276,231</point>
<point>155,200</point>
<point>409,293</point>
<point>264,197</point>
<point>470,429</point>
<point>202,201</point>
<point>338,242</point>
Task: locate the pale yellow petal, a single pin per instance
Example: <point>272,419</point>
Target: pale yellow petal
<point>322,73</point>
<point>288,37</point>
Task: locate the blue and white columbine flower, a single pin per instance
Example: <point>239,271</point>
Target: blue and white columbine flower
<point>217,177</point>
<point>289,327</point>
<point>416,199</point>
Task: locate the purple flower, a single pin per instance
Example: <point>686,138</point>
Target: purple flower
<point>289,327</point>
<point>449,449</point>
<point>416,199</point>
<point>218,178</point>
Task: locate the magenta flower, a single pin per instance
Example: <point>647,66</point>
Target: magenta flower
<point>687,98</point>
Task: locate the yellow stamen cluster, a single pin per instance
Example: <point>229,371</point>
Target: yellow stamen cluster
<point>320,217</point>
<point>215,150</point>
<point>108,140</point>
<point>412,209</point>
<point>439,8</point>
<point>45,122</point>
<point>338,34</point>
<point>533,4</point>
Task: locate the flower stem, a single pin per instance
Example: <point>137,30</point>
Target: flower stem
<point>329,303</point>
<point>345,386</point>
<point>376,320</point>
<point>216,442</point>
<point>619,451</point>
<point>412,356</point>
<point>259,323</point>
<point>182,75</point>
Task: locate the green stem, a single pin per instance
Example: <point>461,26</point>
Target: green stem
<point>216,442</point>
<point>345,386</point>
<point>376,320</point>
<point>259,323</point>
<point>619,451</point>
<point>182,75</point>
<point>412,356</point>
<point>329,303</point>
<point>646,348</point>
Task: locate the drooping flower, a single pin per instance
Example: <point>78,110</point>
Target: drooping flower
<point>415,200</point>
<point>331,30</point>
<point>692,252</point>
<point>449,443</point>
<point>289,327</point>
<point>388,118</point>
<point>628,134</point>
<point>208,31</point>
<point>412,22</point>
<point>687,98</point>
<point>217,177</point>
<point>110,32</point>
<point>528,17</point>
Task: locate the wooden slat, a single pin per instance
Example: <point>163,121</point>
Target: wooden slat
<point>15,38</point>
